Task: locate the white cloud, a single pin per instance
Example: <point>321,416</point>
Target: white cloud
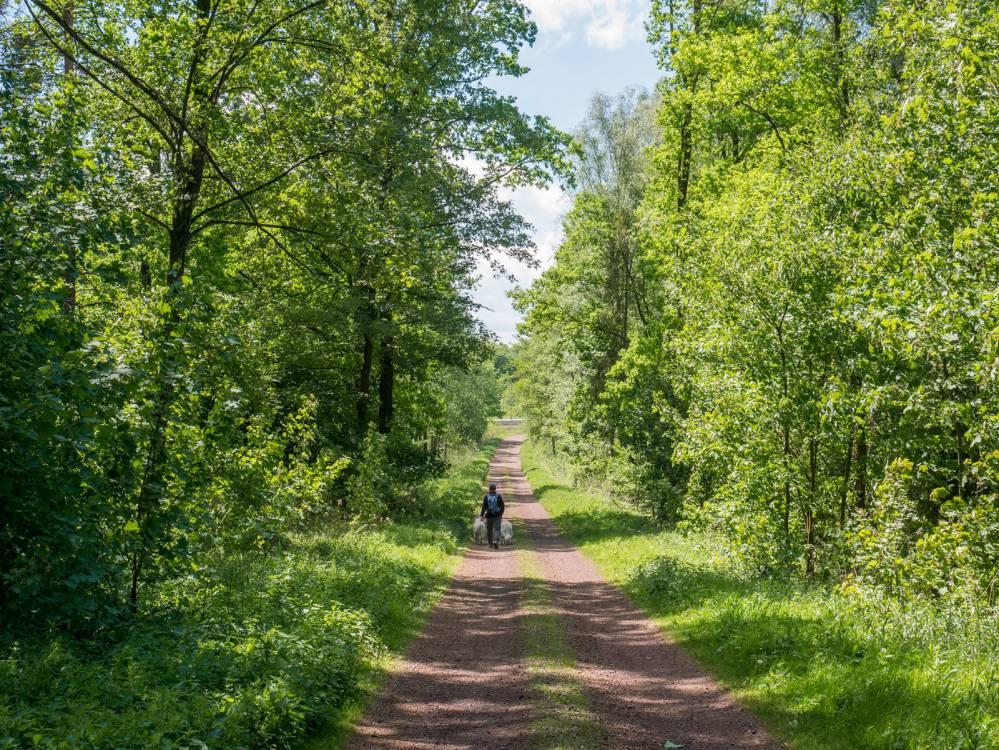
<point>608,24</point>
<point>616,26</point>
<point>554,15</point>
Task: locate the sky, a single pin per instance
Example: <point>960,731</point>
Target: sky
<point>582,47</point>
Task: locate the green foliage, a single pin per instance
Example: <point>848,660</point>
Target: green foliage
<point>824,669</point>
<point>371,485</point>
<point>470,399</point>
<point>251,649</point>
<point>235,235</point>
<point>807,359</point>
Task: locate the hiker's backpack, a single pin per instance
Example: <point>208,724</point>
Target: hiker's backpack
<point>492,503</point>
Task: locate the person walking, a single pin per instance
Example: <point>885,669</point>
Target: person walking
<point>492,512</point>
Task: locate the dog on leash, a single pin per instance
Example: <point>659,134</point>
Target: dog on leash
<point>506,533</point>
<point>479,532</point>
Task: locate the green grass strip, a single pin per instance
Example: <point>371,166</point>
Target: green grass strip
<point>562,716</point>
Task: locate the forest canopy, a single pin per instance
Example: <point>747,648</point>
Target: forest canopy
<point>239,244</point>
<point>774,312</point>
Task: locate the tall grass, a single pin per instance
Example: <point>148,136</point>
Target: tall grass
<point>823,669</point>
<point>254,650</point>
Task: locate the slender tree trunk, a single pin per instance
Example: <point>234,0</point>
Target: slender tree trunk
<point>67,59</point>
<point>364,380</point>
<point>839,52</point>
<point>154,475</point>
<point>686,125</point>
<point>386,386</point>
<point>813,467</point>
<point>810,543</point>
<point>685,156</point>
<point>787,481</point>
<point>785,431</point>
<point>70,272</point>
<point>369,313</point>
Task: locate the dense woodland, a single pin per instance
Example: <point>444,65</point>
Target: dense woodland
<point>774,312</point>
<point>238,244</point>
<point>239,241</point>
<point>241,368</point>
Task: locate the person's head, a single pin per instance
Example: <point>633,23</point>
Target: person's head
<point>492,486</point>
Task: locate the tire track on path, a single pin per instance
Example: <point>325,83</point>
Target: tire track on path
<point>643,688</point>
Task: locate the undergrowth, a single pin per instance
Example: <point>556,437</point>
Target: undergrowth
<point>823,669</point>
<point>256,650</point>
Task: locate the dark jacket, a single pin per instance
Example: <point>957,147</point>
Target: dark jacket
<point>485,507</point>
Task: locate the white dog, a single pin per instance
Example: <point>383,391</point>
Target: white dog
<point>506,533</point>
<point>479,531</point>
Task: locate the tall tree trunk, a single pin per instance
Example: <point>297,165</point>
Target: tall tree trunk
<point>839,53</point>
<point>785,431</point>
<point>189,173</point>
<point>848,460</point>
<point>813,469</point>
<point>370,313</point>
<point>810,543</point>
<point>364,380</point>
<point>386,386</point>
<point>685,156</point>
<point>960,456</point>
<point>67,58</point>
<point>786,453</point>
<point>154,474</point>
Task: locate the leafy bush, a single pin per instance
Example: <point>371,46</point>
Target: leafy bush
<point>252,649</point>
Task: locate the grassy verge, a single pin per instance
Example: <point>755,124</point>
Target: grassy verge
<point>257,650</point>
<point>823,670</point>
<point>562,716</point>
<point>450,500</point>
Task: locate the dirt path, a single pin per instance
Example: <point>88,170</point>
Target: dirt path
<point>462,684</point>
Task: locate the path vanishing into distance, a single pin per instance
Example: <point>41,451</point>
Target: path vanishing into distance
<point>479,675</point>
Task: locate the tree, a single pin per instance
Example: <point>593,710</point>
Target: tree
<point>273,244</point>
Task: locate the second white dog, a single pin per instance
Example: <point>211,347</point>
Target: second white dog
<point>506,533</point>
